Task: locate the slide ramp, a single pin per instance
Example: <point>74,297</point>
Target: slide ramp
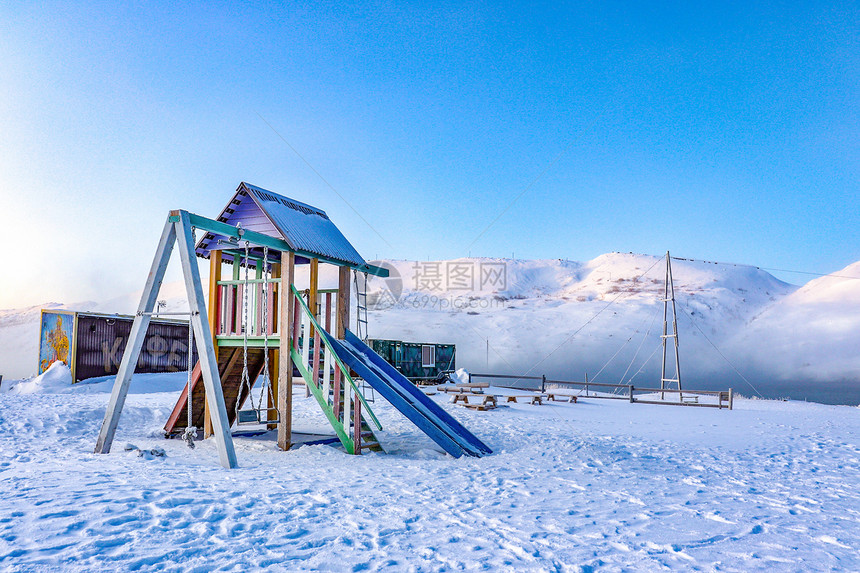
<point>430,418</point>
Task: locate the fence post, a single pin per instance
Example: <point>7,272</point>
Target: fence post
<point>730,398</point>
<point>630,389</point>
<point>543,383</point>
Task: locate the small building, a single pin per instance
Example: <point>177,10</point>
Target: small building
<point>91,344</point>
<point>418,361</point>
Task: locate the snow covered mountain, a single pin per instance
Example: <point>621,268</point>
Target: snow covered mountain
<point>603,317</point>
<point>565,319</point>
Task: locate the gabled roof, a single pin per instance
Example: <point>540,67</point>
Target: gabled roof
<point>305,228</point>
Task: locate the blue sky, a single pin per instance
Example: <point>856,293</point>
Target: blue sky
<point>717,132</point>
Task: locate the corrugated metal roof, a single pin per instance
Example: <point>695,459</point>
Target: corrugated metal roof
<point>302,226</point>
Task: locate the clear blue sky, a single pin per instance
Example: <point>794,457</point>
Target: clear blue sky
<point>719,132</point>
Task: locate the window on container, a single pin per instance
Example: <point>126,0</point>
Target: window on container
<point>428,356</point>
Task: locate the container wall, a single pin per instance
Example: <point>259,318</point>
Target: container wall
<point>101,342</point>
<point>407,357</point>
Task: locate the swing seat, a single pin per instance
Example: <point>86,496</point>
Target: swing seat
<point>248,417</point>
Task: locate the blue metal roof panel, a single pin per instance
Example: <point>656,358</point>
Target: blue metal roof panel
<point>303,226</point>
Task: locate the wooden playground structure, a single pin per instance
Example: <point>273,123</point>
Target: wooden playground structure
<point>265,328</point>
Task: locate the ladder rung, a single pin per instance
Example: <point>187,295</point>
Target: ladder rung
<point>370,445</point>
<point>668,336</point>
<point>670,380</point>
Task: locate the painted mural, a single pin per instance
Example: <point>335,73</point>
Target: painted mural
<point>56,335</point>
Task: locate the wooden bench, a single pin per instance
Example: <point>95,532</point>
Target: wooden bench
<point>536,399</point>
<point>560,397</point>
<point>487,401</point>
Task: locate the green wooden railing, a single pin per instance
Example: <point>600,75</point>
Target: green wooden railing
<point>329,380</point>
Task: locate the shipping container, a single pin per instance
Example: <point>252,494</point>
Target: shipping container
<point>418,361</point>
<point>92,344</point>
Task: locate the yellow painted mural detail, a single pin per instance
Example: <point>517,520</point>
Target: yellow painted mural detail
<point>58,342</point>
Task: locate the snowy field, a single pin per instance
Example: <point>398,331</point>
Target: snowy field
<point>601,485</point>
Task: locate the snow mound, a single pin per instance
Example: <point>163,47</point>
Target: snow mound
<point>57,377</point>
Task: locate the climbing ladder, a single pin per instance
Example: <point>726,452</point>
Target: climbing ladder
<point>329,380</point>
<point>361,323</point>
<point>361,306</point>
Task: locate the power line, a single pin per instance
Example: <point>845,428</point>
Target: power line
<point>688,259</point>
<point>729,362</point>
<point>587,322</point>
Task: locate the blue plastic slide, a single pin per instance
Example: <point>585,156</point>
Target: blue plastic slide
<point>430,418</point>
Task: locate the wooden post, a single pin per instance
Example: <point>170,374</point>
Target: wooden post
<point>731,398</point>
<point>314,287</point>
<point>285,363</point>
<point>631,393</point>
<point>342,302</point>
<point>208,360</point>
<point>214,314</point>
<point>313,291</point>
<point>135,338</point>
<point>274,355</point>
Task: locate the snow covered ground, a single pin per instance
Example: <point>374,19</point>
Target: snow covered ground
<point>598,485</point>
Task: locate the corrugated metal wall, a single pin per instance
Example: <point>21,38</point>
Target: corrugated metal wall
<point>100,342</point>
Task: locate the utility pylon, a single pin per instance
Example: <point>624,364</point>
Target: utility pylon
<point>669,297</point>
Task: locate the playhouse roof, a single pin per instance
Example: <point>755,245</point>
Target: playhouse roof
<point>306,229</point>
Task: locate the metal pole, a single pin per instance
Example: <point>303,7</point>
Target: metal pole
<point>674,325</point>
<point>665,326</point>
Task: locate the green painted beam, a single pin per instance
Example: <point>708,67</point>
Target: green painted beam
<point>339,362</point>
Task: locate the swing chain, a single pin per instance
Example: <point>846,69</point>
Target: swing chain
<point>245,376</point>
<point>265,302</point>
<point>190,430</point>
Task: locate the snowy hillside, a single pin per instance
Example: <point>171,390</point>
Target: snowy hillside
<point>565,319</point>
<point>603,317</point>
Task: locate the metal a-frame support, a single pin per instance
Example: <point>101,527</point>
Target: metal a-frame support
<point>176,229</point>
<point>669,296</point>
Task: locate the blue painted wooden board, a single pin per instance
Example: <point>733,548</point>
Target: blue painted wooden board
<point>430,418</point>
